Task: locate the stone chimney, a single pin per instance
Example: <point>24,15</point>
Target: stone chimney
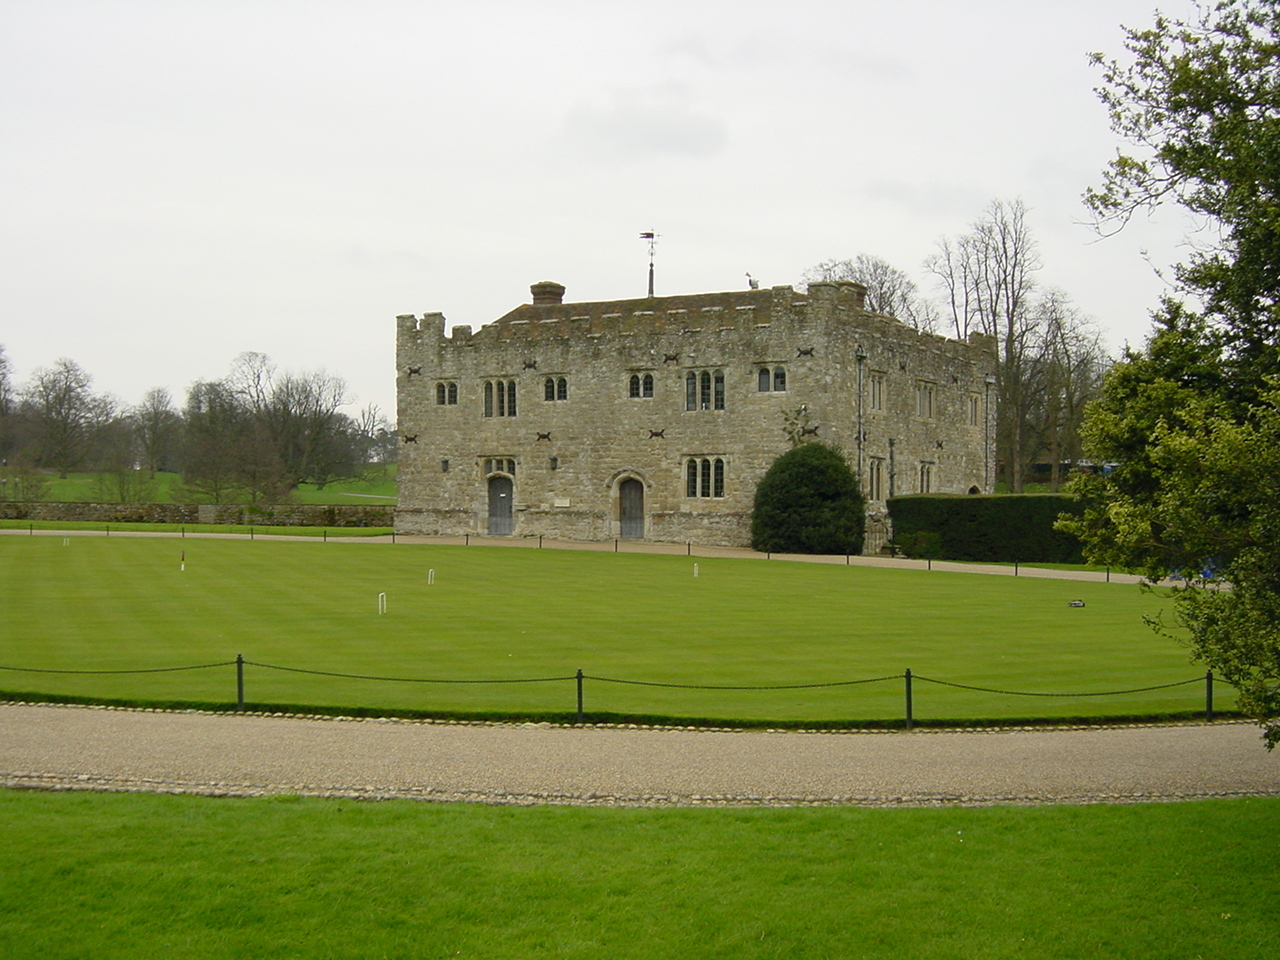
<point>548,293</point>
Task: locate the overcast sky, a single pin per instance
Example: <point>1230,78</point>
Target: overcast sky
<point>182,181</point>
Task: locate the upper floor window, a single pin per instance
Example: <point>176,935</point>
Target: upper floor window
<point>704,390</point>
<point>704,477</point>
<point>876,391</point>
<point>974,407</point>
<point>555,388</point>
<point>446,393</point>
<point>499,398</point>
<point>640,386</point>
<point>774,379</point>
<point>924,399</point>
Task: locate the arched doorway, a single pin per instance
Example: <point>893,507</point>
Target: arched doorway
<point>631,509</point>
<point>500,497</point>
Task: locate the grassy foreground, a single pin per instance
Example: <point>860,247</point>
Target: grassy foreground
<point>493,614</point>
<point>105,876</point>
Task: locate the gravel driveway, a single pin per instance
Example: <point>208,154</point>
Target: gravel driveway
<point>60,747</point>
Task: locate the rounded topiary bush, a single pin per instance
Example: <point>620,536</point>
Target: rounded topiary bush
<point>809,502</point>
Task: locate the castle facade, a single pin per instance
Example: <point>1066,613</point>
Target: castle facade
<point>655,418</point>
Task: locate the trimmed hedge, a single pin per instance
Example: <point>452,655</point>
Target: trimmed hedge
<point>1006,528</point>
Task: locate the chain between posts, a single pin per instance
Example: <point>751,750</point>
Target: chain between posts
<point>580,677</point>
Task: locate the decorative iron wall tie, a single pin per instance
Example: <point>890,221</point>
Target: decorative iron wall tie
<point>410,438</point>
<point>414,371</point>
<point>671,358</point>
<point>658,434</point>
<point>531,365</point>
<point>808,431</point>
<point>543,436</point>
<point>804,351</point>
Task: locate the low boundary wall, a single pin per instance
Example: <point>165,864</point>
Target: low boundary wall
<point>284,515</point>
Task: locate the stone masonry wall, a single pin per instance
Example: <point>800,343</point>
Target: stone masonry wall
<point>911,411</point>
<point>296,515</point>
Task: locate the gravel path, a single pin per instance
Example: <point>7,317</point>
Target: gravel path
<point>59,747</point>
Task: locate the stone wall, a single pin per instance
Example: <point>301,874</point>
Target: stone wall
<point>913,412</point>
<point>288,515</point>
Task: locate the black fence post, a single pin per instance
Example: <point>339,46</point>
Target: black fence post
<point>1208,696</point>
<point>579,679</point>
<point>910,718</point>
<point>1015,568</point>
<point>239,683</point>
<point>325,533</point>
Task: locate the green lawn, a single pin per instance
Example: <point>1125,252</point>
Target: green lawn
<point>500,614</point>
<point>126,876</point>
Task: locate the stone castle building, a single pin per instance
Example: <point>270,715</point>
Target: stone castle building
<point>655,418</point>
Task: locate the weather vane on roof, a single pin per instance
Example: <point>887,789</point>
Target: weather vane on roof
<point>653,242</point>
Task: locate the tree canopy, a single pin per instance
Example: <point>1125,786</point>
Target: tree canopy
<point>809,502</point>
<point>1190,424</point>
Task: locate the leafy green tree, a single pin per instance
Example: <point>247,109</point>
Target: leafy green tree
<point>1191,422</point>
<point>809,502</point>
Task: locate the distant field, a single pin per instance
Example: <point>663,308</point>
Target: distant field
<point>91,488</point>
<point>501,614</point>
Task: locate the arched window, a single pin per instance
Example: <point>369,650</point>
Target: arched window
<point>633,386</point>
<point>549,389</point>
<point>647,385</point>
<point>440,394</point>
<point>774,379</point>
<point>500,398</point>
<point>562,388</point>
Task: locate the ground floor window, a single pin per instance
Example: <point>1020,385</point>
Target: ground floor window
<point>704,477</point>
<point>499,465</point>
<point>875,479</point>
<point>926,478</point>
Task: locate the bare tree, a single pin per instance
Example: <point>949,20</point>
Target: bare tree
<point>157,427</point>
<point>263,433</point>
<point>988,277</point>
<point>889,290</point>
<point>66,418</point>
<point>8,410</point>
<point>315,441</point>
<point>1074,362</point>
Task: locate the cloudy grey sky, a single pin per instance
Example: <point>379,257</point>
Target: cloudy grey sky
<point>182,181</point>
